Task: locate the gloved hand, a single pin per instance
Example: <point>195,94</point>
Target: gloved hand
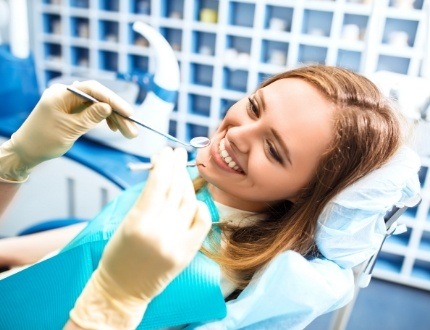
<point>157,239</point>
<point>56,122</point>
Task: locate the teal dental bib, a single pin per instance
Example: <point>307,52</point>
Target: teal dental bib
<point>41,296</point>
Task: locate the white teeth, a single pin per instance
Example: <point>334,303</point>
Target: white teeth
<point>228,160</point>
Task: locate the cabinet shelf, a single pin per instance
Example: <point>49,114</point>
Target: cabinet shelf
<point>280,36</point>
<point>325,5</point>
<point>352,46</point>
<point>424,245</point>
<point>412,14</point>
<point>405,52</point>
<point>421,270</point>
<point>201,59</point>
<point>80,12</point>
<point>51,7</point>
<point>317,41</point>
<point>358,8</point>
<point>423,255</point>
<point>171,22</point>
<point>57,39</point>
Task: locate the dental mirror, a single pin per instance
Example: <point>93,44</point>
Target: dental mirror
<point>200,142</point>
<point>197,142</point>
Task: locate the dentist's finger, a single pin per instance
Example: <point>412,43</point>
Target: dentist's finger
<point>159,179</point>
<point>111,125</point>
<point>179,180</point>
<point>127,128</point>
<point>105,95</point>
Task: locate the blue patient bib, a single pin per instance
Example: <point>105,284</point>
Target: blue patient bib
<point>41,296</point>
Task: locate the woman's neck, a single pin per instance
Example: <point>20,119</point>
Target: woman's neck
<point>226,199</point>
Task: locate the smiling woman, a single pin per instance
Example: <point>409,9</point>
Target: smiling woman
<point>278,159</point>
<point>269,145</point>
<point>300,139</point>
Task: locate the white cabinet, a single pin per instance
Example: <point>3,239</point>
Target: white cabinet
<point>225,48</point>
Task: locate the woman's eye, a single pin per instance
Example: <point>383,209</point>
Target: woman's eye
<point>274,153</point>
<point>253,108</point>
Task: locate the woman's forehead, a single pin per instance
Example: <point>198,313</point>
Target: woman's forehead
<point>293,91</point>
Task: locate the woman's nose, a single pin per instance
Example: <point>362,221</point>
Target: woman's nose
<point>241,137</point>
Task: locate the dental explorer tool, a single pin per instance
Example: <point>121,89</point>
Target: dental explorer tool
<point>149,166</point>
<point>197,142</point>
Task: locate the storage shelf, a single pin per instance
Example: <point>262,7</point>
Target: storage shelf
<point>413,14</point>
<point>405,280</point>
<point>423,255</point>
<point>225,48</point>
<point>325,5</point>
<point>357,8</point>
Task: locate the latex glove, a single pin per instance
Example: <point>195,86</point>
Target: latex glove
<point>157,239</point>
<point>56,122</point>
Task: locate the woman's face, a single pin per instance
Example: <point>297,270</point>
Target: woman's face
<point>268,145</point>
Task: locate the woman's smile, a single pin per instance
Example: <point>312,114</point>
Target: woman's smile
<point>227,158</point>
<point>224,159</point>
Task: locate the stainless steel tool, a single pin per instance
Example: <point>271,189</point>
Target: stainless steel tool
<point>197,142</point>
<point>148,166</point>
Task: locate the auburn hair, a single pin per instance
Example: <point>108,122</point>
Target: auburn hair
<point>368,130</point>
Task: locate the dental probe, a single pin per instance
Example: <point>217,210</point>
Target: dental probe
<point>197,142</point>
<point>149,166</point>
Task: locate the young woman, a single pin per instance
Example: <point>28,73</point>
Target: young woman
<point>274,164</point>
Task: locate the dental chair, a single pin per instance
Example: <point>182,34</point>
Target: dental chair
<point>350,233</point>
<point>363,272</point>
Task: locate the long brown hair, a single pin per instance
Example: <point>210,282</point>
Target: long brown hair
<point>367,132</point>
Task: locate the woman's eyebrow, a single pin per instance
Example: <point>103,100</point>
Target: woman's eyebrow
<point>281,142</point>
